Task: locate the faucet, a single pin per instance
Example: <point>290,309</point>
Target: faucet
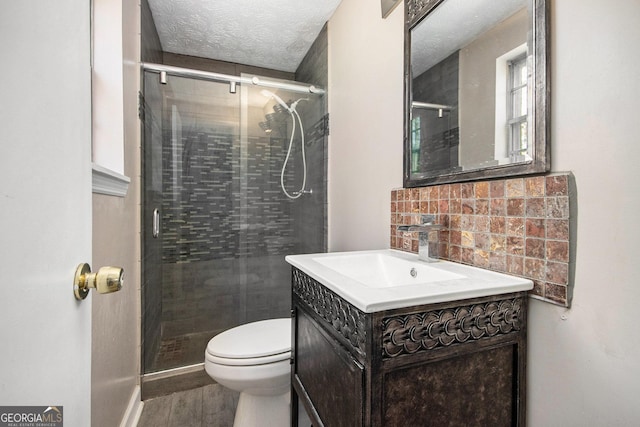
<point>427,251</point>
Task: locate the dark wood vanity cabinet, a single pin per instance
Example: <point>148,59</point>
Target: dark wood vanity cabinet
<point>458,363</point>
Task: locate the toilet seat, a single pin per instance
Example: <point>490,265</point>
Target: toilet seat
<point>247,361</point>
<point>256,343</point>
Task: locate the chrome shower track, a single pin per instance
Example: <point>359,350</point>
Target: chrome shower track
<point>206,75</point>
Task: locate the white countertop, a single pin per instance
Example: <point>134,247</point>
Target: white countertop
<point>381,279</point>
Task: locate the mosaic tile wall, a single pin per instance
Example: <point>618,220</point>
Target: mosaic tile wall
<point>204,214</point>
<point>520,226</point>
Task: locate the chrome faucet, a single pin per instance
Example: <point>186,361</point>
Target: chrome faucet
<point>427,250</point>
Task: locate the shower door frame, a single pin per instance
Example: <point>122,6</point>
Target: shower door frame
<point>163,72</point>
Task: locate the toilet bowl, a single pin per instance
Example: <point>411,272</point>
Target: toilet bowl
<point>254,360</point>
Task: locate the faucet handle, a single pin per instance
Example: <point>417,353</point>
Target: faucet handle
<point>427,219</point>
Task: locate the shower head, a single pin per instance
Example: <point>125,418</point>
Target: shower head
<point>279,100</point>
<point>278,108</point>
<point>265,127</point>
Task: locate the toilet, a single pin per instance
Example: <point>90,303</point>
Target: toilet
<point>254,360</point>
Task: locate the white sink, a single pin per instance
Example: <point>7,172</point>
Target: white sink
<point>384,270</point>
<point>386,279</point>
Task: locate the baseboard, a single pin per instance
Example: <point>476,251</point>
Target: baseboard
<point>175,380</point>
<point>134,409</point>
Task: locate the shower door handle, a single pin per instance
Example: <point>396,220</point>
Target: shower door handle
<point>156,223</point>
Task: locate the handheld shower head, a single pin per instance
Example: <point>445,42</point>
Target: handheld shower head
<point>295,103</point>
<point>279,100</point>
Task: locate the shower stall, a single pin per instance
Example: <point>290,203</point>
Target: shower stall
<point>234,179</point>
<point>435,137</point>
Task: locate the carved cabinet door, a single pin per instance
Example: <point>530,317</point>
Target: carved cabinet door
<point>331,377</point>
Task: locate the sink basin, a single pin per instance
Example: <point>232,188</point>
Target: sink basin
<point>388,279</point>
<point>383,270</point>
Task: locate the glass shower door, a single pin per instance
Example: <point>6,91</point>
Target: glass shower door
<point>216,221</point>
<point>282,148</point>
<point>192,196</point>
<point>435,138</point>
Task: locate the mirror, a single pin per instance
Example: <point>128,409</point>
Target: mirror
<point>476,90</point>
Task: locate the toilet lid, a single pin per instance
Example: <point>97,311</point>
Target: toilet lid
<point>256,339</point>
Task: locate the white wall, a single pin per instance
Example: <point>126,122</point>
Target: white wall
<point>365,108</point>
<point>107,80</point>
<point>478,86</point>
<point>584,363</point>
<point>116,241</point>
<point>585,370</point>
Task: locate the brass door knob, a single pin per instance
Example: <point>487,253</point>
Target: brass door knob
<point>105,281</point>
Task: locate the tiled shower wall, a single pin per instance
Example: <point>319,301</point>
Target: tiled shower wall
<point>520,226</point>
<point>311,211</point>
<point>206,216</point>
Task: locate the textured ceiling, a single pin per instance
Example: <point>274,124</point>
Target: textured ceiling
<point>453,25</point>
<point>273,34</point>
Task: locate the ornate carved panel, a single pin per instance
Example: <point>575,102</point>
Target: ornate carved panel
<point>418,8</point>
<point>412,333</point>
<point>347,320</point>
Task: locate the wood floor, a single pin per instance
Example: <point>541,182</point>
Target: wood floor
<point>208,406</point>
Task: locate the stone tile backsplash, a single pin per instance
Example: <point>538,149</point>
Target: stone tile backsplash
<point>519,226</point>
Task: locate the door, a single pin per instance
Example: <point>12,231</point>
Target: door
<point>216,161</point>
<point>45,206</point>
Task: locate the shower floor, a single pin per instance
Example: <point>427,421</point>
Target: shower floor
<point>204,298</point>
<point>182,350</point>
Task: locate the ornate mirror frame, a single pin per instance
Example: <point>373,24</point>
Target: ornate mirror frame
<point>539,117</point>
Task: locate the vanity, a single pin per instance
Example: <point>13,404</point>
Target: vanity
<point>381,338</point>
